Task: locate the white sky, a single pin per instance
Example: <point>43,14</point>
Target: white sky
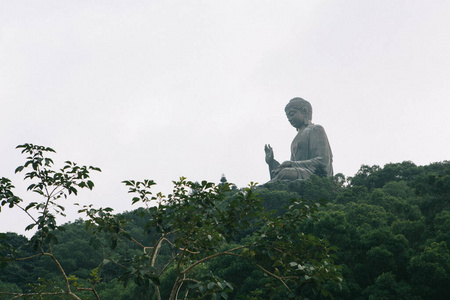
<point>163,89</point>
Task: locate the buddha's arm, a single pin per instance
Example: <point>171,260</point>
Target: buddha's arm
<point>270,160</point>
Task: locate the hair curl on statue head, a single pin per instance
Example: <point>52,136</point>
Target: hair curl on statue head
<point>301,105</point>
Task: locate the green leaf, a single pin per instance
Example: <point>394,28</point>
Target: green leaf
<point>29,227</point>
<point>90,184</point>
<point>211,285</point>
<point>48,161</point>
<point>31,205</point>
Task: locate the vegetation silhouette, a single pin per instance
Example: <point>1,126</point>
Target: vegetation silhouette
<point>385,231</point>
<point>171,247</point>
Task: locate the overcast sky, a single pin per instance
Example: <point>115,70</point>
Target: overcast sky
<point>163,89</point>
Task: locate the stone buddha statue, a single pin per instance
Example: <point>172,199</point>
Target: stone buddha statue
<point>310,149</point>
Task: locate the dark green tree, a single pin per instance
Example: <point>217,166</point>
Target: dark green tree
<point>183,233</point>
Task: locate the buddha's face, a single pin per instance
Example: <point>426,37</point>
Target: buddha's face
<point>296,118</point>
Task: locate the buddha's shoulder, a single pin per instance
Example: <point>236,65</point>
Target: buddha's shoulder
<point>315,127</point>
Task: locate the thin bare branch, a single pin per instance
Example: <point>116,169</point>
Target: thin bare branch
<point>89,290</point>
<point>228,252</point>
<point>61,270</point>
<point>23,258</point>
<point>181,249</point>
<point>35,221</point>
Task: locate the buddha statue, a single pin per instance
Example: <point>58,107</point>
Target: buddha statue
<point>310,149</point>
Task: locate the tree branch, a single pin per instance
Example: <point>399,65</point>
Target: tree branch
<point>89,290</point>
<point>27,213</point>
<point>23,258</point>
<point>61,270</point>
<point>228,252</point>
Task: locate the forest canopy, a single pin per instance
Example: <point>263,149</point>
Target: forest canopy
<point>382,234</point>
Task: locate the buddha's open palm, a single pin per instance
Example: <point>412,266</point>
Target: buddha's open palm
<point>269,154</point>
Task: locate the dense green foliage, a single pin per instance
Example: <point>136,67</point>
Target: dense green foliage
<point>391,226</point>
<point>202,241</point>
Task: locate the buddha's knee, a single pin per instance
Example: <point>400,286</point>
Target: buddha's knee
<point>287,174</point>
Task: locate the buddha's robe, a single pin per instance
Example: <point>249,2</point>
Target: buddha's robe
<point>309,149</point>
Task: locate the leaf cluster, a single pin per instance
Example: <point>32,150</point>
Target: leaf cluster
<point>183,233</point>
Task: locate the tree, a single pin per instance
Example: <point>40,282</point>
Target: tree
<point>199,223</point>
<point>320,171</point>
<point>430,271</point>
<point>386,287</point>
<point>51,185</point>
<point>184,233</point>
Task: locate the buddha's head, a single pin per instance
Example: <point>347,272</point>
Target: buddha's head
<point>299,112</point>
